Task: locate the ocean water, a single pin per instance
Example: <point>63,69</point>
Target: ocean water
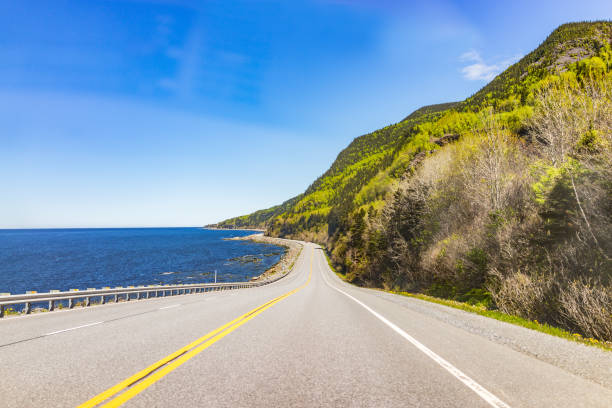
<point>65,259</point>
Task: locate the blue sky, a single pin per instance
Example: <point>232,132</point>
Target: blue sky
<point>180,113</point>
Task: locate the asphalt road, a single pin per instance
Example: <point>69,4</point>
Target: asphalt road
<point>308,340</point>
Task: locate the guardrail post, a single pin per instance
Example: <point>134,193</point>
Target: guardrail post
<point>1,310</point>
<point>88,298</point>
<point>102,299</point>
<point>116,298</point>
<point>70,303</point>
<point>51,305</point>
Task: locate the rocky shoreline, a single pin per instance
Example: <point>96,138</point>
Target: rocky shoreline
<point>286,262</point>
<point>215,228</point>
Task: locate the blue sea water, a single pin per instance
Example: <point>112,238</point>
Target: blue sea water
<point>92,258</point>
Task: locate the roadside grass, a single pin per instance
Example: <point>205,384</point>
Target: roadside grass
<point>519,321</point>
<point>11,311</point>
<point>494,314</point>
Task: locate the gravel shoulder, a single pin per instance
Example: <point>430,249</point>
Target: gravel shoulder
<point>587,362</point>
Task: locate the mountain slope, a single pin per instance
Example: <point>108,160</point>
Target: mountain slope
<point>366,170</point>
<point>501,200</point>
<point>356,166</point>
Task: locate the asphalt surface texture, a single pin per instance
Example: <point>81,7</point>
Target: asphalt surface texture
<point>307,340</point>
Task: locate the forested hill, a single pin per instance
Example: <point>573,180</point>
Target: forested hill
<point>364,172</point>
<point>501,199</point>
<point>357,169</point>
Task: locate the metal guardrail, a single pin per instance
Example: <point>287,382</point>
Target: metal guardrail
<point>140,292</point>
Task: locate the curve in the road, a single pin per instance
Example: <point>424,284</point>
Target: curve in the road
<point>482,392</point>
<point>132,386</point>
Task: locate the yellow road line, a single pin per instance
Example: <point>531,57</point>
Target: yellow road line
<point>150,375</point>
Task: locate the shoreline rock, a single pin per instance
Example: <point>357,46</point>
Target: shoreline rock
<point>286,262</point>
<point>215,228</point>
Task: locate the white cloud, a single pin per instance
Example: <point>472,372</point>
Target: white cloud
<point>479,70</point>
<point>471,55</point>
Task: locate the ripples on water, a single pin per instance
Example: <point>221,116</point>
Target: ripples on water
<point>80,258</point>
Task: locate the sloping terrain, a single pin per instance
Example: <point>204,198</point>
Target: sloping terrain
<point>502,199</point>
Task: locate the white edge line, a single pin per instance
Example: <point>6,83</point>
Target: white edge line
<point>169,307</point>
<point>72,328</point>
<point>469,382</point>
<point>94,323</point>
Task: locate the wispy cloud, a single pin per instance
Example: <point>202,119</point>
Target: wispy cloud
<point>479,70</point>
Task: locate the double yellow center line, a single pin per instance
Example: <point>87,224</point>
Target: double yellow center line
<point>132,386</point>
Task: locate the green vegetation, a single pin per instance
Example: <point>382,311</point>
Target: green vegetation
<point>502,200</point>
<point>519,321</point>
<point>474,304</point>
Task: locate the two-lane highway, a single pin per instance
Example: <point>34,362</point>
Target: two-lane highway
<point>306,340</point>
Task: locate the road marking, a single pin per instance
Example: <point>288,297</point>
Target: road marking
<point>72,328</point>
<point>473,385</point>
<point>132,386</point>
<point>92,324</point>
<point>169,307</point>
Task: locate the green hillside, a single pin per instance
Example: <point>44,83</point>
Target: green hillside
<point>502,199</point>
<point>355,167</point>
<point>364,166</point>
